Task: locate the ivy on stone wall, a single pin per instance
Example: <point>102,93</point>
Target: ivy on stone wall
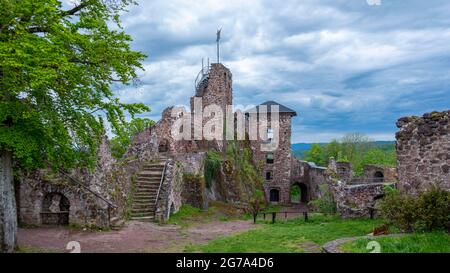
<point>212,167</point>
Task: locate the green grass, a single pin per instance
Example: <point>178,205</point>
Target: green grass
<point>288,236</point>
<point>435,242</point>
<point>185,215</point>
<point>217,211</point>
<point>32,249</point>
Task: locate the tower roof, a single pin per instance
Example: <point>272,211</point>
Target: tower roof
<point>269,104</point>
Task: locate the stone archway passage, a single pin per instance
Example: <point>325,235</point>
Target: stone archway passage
<point>55,209</point>
<point>295,194</point>
<point>299,193</point>
<point>163,146</point>
<point>274,195</point>
<point>378,177</point>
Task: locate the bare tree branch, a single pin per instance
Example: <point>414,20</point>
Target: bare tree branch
<point>76,9</point>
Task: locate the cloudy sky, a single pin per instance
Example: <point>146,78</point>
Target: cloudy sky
<point>344,66</point>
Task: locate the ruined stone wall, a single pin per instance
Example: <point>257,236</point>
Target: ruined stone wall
<point>194,191</point>
<point>174,191</point>
<point>423,152</point>
<point>85,208</point>
<point>281,166</point>
<point>147,144</point>
<point>310,175</point>
<point>355,200</point>
<point>318,177</point>
<point>370,174</point>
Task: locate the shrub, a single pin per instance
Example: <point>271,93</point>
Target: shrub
<point>256,204</point>
<point>428,211</point>
<point>324,204</point>
<point>399,210</point>
<point>433,209</point>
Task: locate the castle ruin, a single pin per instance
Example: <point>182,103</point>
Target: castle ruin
<point>159,173</point>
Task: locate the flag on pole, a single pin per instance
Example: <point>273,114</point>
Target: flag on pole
<point>218,34</point>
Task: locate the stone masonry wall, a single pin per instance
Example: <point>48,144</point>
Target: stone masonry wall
<point>173,190</point>
<point>389,174</point>
<point>216,90</point>
<point>355,200</point>
<point>423,151</point>
<point>281,166</point>
<point>85,208</point>
<point>310,175</point>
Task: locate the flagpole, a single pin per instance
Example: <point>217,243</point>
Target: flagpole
<point>218,49</point>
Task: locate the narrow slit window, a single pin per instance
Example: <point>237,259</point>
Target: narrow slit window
<point>269,175</point>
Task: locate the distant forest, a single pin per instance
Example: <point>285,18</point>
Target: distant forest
<point>356,148</point>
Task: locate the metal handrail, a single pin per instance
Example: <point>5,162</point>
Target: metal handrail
<point>203,74</point>
<point>160,182</point>
<point>87,188</point>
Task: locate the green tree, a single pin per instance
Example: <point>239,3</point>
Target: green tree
<point>56,69</point>
<point>120,143</point>
<point>376,156</point>
<point>332,149</point>
<point>315,154</point>
<point>355,148</point>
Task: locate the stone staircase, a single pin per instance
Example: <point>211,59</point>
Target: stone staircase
<point>146,190</point>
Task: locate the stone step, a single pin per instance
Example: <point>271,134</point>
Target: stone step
<point>144,195</point>
<point>156,164</point>
<point>140,192</point>
<point>144,208</point>
<point>141,213</point>
<point>149,180</point>
<point>149,176</point>
<point>145,200</point>
<point>150,173</point>
<point>144,204</point>
<point>153,167</point>
<point>147,185</point>
<point>146,189</point>
<point>143,218</point>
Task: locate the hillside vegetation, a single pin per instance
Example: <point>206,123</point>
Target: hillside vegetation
<point>355,148</point>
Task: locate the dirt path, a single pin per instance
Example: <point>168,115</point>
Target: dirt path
<point>134,237</point>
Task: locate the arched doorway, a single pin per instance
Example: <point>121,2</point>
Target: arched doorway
<point>274,195</point>
<point>55,209</point>
<point>299,193</point>
<point>163,146</point>
<point>378,177</point>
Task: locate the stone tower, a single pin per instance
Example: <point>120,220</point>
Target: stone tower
<point>276,163</point>
<point>213,87</point>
